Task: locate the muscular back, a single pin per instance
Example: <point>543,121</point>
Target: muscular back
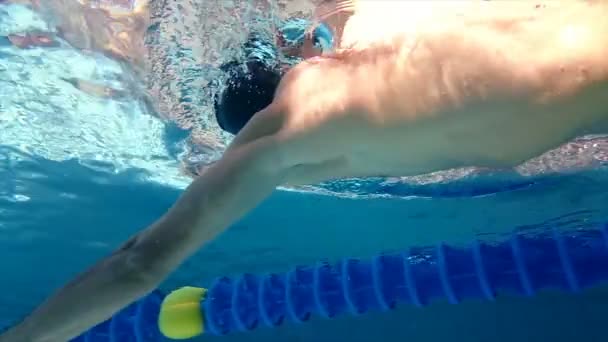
<point>492,86</point>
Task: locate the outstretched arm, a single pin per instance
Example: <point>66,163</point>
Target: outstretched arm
<point>245,175</point>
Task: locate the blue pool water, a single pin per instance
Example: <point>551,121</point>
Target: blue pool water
<point>79,174</point>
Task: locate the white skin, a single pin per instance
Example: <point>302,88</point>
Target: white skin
<point>493,86</point>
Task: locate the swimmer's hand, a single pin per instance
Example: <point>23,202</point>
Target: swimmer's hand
<point>247,173</point>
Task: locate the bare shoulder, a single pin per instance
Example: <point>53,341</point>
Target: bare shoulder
<point>403,91</point>
<point>402,86</point>
<point>478,49</point>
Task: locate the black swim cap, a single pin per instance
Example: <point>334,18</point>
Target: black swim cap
<point>249,89</point>
<point>251,85</point>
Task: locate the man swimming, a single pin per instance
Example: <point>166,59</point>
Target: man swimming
<point>415,89</point>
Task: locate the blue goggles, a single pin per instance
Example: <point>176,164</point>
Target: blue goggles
<point>294,31</point>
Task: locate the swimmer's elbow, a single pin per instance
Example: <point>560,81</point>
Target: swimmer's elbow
<point>143,262</point>
<point>224,193</point>
<point>133,266</point>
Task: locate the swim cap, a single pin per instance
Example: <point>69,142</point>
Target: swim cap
<point>251,85</point>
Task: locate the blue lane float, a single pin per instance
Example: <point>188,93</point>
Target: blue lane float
<point>521,265</point>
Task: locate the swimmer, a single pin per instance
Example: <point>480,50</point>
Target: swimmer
<point>487,84</point>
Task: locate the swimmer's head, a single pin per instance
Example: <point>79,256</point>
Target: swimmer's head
<point>251,85</point>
